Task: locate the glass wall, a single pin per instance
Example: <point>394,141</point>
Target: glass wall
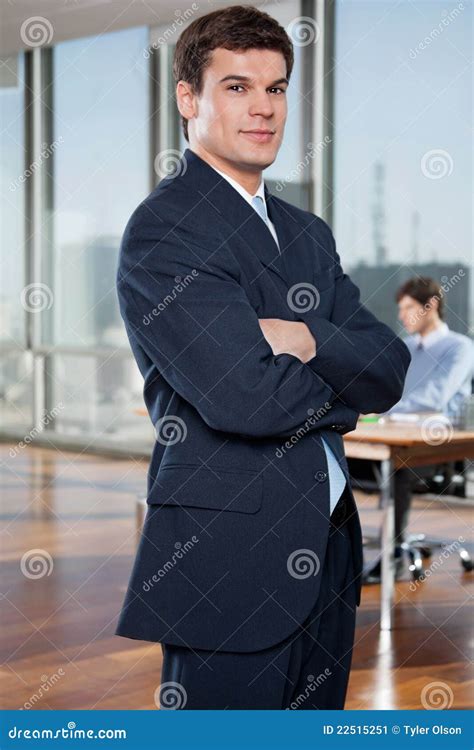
<point>12,182</point>
<point>100,119</point>
<point>16,364</point>
<point>99,175</point>
<point>403,150</point>
<point>94,170</point>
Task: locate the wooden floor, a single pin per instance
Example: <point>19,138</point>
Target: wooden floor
<point>58,613</point>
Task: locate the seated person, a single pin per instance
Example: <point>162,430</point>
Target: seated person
<point>438,380</point>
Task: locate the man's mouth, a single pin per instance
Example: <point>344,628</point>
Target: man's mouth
<point>259,135</point>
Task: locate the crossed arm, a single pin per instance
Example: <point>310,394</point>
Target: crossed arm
<point>360,357</point>
<point>289,337</point>
<point>206,341</point>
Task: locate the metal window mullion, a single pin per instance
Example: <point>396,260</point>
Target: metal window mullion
<point>322,98</point>
<point>33,266</point>
<point>39,208</point>
<point>164,117</point>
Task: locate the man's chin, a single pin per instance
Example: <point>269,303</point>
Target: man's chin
<point>257,159</point>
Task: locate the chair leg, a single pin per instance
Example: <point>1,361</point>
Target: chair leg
<point>416,564</point>
<point>140,512</point>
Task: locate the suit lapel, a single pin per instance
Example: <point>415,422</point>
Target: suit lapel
<point>294,263</point>
<point>216,193</point>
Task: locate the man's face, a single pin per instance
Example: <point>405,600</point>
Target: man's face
<point>413,315</point>
<point>243,93</point>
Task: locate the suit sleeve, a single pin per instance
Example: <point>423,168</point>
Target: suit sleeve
<point>360,357</point>
<point>188,312</point>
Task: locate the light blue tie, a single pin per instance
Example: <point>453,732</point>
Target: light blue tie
<point>260,207</point>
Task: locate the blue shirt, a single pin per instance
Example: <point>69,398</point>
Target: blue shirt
<point>440,372</point>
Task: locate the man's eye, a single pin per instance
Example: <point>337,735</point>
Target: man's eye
<point>235,86</point>
<point>277,88</point>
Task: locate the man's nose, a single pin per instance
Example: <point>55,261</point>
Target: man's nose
<point>261,104</point>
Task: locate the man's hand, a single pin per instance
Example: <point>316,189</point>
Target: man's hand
<point>289,337</point>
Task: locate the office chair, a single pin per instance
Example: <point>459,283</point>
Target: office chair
<point>365,476</point>
<point>420,547</point>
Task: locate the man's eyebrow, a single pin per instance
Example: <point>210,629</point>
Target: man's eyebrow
<point>246,79</point>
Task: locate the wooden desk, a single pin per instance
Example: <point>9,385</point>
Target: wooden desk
<point>401,445</point>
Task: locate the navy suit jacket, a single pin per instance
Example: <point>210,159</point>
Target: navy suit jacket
<point>233,543</point>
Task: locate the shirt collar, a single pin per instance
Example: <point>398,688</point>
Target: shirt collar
<point>242,191</point>
<point>431,338</point>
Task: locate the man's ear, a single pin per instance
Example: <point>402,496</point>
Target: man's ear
<point>186,100</point>
<point>434,303</point>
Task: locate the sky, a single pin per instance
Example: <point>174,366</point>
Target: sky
<point>397,103</point>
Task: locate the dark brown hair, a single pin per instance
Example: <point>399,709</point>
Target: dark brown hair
<point>422,289</point>
<point>239,27</point>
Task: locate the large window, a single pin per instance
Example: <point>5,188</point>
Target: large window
<point>403,151</point>
<point>73,374</point>
<point>100,120</point>
<point>12,181</point>
<point>16,364</point>
<point>99,175</point>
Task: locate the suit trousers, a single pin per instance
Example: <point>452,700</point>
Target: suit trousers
<point>307,670</point>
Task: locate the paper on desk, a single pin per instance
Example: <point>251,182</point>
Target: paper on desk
<point>414,418</point>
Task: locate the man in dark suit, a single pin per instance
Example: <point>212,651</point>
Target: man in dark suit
<point>257,357</point>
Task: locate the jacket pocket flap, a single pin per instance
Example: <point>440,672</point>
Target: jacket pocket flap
<point>201,487</point>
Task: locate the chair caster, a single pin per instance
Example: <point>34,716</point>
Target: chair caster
<point>466,560</point>
<point>416,565</point>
